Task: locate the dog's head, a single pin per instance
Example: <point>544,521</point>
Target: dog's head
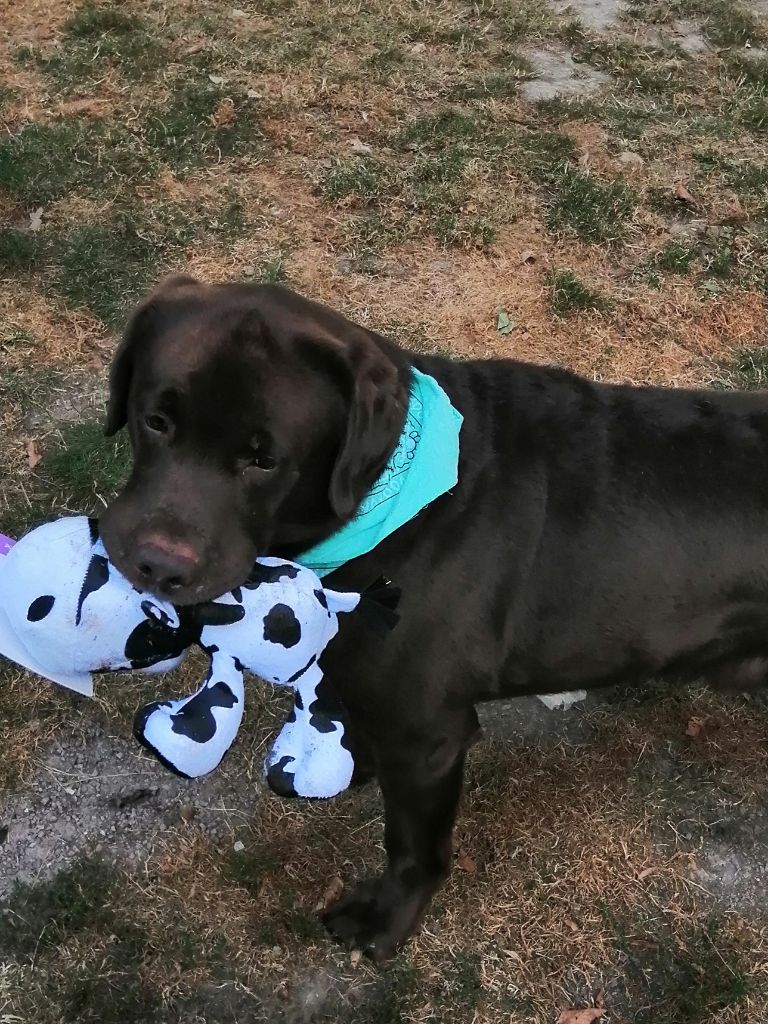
<point>258,421</point>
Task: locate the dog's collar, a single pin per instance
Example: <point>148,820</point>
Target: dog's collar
<point>424,465</point>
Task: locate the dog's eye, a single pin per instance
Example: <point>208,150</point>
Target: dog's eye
<point>156,423</point>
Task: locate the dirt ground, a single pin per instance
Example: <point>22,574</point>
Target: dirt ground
<point>578,183</point>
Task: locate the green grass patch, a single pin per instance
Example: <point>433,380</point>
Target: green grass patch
<point>675,258</point>
<point>42,162</point>
<point>748,67</point>
<point>365,181</point>
<point>19,250</point>
<point>730,23</point>
<point>748,371</point>
<point>743,176</point>
<point>684,978</point>
<point>85,465</point>
<point>48,913</point>
<point>196,126</point>
<point>497,84</point>
<point>97,38</point>
<point>546,155</point>
<point>105,268</point>
<point>273,271</point>
<point>570,295</point>
<point>79,471</point>
<point>90,954</point>
<point>7,96</point>
<point>12,334</point>
<point>23,389</point>
<point>637,69</point>
<point>589,209</point>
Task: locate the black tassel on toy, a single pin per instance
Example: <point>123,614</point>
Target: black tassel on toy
<point>378,606</point>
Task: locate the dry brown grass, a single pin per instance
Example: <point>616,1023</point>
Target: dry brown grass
<point>572,868</point>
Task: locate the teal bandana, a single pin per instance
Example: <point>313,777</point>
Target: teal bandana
<point>424,465</point>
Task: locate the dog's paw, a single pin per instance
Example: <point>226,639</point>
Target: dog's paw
<point>376,918</point>
<point>356,920</point>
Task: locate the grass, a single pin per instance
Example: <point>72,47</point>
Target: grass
<point>676,258</point>
<point>591,210</point>
<point>382,160</point>
<point>204,122</point>
<point>570,295</point>
<point>18,250</point>
<point>105,268</point>
<point>42,162</point>
<point>747,371</point>
<point>76,900</point>
<point>86,464</point>
<point>97,39</point>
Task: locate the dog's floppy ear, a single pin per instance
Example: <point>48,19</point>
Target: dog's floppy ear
<point>138,329</point>
<point>376,395</point>
<point>378,401</point>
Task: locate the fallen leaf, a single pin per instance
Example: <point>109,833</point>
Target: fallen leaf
<point>36,219</point>
<point>587,1016</point>
<point>682,194</point>
<point>217,79</point>
<point>238,13</point>
<point>253,95</point>
<point>357,146</point>
<point>466,863</point>
<point>33,455</point>
<point>695,726</point>
<point>355,957</point>
<point>600,1000</point>
<point>223,114</point>
<point>528,256</point>
<point>239,846</point>
<point>572,925</point>
<point>418,48</point>
<point>332,892</point>
<point>645,873</point>
<point>193,49</point>
<point>504,325</point>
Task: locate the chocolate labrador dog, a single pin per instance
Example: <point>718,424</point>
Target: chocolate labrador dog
<point>596,534</point>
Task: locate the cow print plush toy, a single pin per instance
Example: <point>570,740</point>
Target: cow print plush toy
<point>67,614</point>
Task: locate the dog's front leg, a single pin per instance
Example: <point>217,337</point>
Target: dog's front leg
<point>420,778</point>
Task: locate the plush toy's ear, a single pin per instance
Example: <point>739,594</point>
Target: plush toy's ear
<point>139,329</point>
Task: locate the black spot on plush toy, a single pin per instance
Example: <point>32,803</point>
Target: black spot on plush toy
<point>67,613</point>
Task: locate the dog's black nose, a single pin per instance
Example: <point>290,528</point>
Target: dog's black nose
<point>165,567</point>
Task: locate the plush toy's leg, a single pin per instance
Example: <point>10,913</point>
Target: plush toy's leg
<point>191,735</point>
<point>311,757</point>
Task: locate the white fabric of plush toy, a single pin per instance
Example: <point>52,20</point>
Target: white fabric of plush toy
<point>68,614</point>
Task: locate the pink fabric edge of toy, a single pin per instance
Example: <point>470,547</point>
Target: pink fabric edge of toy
<point>6,543</point>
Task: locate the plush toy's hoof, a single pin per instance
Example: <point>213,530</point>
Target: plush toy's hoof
<point>139,733</point>
<point>279,780</point>
<point>191,736</point>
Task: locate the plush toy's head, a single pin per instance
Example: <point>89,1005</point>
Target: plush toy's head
<point>59,619</point>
